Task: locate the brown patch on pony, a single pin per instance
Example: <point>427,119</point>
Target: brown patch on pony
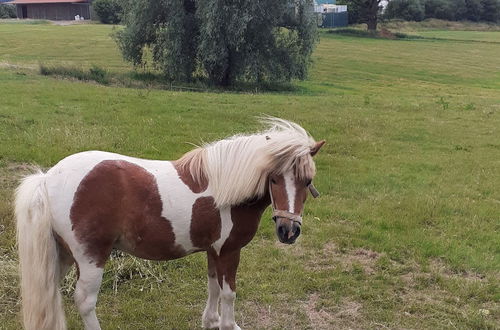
<point>301,190</point>
<point>205,223</point>
<point>190,170</point>
<point>117,204</point>
<point>211,263</point>
<point>246,218</point>
<point>278,190</point>
<point>280,196</point>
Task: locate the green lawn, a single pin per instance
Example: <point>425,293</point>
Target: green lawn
<point>485,36</point>
<point>405,234</point>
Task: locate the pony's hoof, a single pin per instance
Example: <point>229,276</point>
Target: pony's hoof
<point>211,322</point>
<point>232,326</point>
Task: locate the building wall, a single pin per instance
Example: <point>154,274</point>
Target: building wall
<point>55,11</point>
<point>333,20</point>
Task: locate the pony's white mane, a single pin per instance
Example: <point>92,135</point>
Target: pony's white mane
<point>237,168</point>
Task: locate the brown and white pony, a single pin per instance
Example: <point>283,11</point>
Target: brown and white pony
<point>209,200</point>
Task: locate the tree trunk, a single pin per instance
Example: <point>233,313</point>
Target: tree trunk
<point>227,77</point>
<point>372,14</point>
<point>372,24</point>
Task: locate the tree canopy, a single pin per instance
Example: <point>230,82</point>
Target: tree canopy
<point>108,11</point>
<point>219,40</point>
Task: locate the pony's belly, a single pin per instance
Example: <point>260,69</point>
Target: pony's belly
<point>151,248</point>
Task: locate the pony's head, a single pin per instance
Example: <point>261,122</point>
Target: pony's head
<point>288,192</point>
<point>277,161</point>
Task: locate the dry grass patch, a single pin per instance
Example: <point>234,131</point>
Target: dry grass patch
<point>347,315</point>
<point>256,315</point>
<point>331,257</point>
<point>9,292</point>
<point>439,267</point>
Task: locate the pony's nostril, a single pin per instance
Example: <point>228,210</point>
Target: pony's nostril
<point>282,232</point>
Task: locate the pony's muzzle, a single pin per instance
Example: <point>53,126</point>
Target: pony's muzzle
<point>287,230</point>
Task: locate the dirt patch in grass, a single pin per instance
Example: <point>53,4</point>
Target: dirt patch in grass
<point>319,318</point>
<point>8,65</point>
<point>262,316</point>
<point>384,33</point>
<point>348,314</point>
<point>439,267</point>
<point>331,257</point>
<point>9,292</point>
<point>11,174</point>
<point>258,315</point>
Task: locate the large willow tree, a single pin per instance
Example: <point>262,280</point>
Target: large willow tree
<point>222,40</point>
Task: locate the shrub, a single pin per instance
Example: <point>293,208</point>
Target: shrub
<point>109,11</point>
<point>95,73</point>
<point>7,11</point>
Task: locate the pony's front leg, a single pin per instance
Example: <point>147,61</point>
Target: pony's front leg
<point>211,318</point>
<point>227,265</point>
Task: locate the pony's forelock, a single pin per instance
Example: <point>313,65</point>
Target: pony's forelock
<point>237,168</point>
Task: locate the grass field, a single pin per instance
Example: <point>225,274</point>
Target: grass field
<point>405,235</point>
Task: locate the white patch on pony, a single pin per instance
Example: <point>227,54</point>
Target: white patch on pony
<point>290,190</point>
<point>178,201</point>
<point>211,317</point>
<point>225,230</point>
<point>228,297</point>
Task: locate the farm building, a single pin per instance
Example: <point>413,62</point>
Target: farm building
<point>57,10</point>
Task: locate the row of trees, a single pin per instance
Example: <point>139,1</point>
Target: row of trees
<point>453,10</point>
<point>220,41</point>
<point>369,11</point>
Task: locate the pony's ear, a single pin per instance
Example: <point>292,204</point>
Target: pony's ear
<point>317,146</point>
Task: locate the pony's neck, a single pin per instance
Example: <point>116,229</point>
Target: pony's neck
<point>246,218</point>
<point>258,204</point>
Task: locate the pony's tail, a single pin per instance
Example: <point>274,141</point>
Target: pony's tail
<point>38,257</point>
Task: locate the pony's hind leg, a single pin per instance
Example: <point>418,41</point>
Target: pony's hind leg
<point>211,317</point>
<point>66,259</point>
<point>86,291</point>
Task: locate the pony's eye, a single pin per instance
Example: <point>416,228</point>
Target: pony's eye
<point>273,181</point>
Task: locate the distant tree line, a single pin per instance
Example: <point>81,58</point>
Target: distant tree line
<point>452,10</point>
<point>369,11</point>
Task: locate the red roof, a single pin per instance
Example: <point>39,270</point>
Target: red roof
<point>45,1</point>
